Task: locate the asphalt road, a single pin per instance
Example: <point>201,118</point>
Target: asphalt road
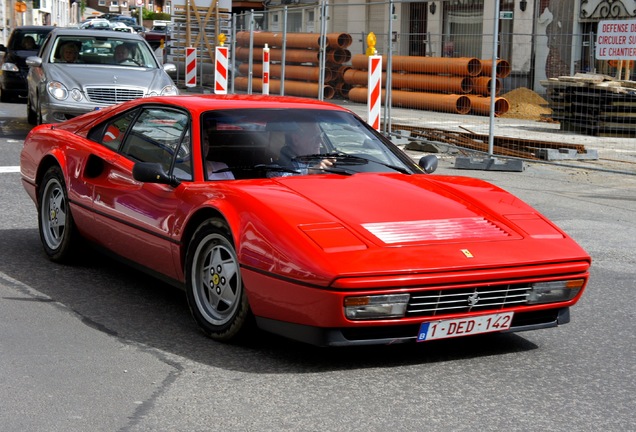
<point>99,347</point>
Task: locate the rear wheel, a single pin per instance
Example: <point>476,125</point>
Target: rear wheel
<point>214,286</point>
<point>55,221</point>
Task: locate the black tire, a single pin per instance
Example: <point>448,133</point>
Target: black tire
<point>38,114</point>
<point>214,287</point>
<point>55,221</point>
<point>32,118</point>
<point>5,97</point>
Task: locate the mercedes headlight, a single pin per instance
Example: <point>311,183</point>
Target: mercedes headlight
<point>57,90</point>
<point>169,90</point>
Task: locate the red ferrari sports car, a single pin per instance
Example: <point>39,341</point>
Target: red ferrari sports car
<point>295,216</point>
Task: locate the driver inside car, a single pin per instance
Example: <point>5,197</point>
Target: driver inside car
<point>123,53</point>
<point>305,140</point>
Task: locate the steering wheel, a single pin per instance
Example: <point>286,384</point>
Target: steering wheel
<point>128,61</point>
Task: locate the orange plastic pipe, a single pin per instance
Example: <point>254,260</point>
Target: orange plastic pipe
<point>481,85</point>
<point>459,104</point>
<point>338,55</point>
<point>463,66</point>
<point>340,40</point>
<point>340,71</point>
<point>292,55</point>
<point>304,73</point>
<point>294,40</point>
<point>481,105</point>
<point>503,68</point>
<point>293,88</point>
<point>342,89</point>
<point>432,83</point>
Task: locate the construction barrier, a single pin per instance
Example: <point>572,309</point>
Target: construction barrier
<point>191,67</point>
<point>375,90</point>
<point>220,70</point>
<point>266,70</point>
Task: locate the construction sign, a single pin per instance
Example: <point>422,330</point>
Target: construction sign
<point>616,40</point>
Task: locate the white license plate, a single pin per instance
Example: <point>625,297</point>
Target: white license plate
<point>464,326</point>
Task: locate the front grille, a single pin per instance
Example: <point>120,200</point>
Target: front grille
<point>113,95</point>
<point>447,301</point>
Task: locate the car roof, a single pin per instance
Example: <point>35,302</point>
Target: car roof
<point>96,33</point>
<point>30,28</point>
<point>199,103</point>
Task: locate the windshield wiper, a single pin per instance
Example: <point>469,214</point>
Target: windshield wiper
<point>264,167</point>
<point>348,159</point>
<point>341,158</point>
<point>332,170</point>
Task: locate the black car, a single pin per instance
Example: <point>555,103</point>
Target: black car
<point>23,42</point>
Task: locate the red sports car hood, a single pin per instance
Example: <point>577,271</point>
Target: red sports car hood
<point>396,223</point>
<point>416,209</point>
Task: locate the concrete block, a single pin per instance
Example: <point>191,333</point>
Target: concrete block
<point>565,154</point>
<point>490,164</point>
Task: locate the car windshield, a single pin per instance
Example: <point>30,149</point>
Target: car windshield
<point>290,141</point>
<point>29,40</point>
<point>102,50</point>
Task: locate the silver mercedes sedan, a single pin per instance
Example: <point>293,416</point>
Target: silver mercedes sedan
<point>83,70</point>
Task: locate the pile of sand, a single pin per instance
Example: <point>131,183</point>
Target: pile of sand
<point>526,104</point>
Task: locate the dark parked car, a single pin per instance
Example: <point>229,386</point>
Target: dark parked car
<point>128,20</point>
<point>159,32</point>
<point>23,42</point>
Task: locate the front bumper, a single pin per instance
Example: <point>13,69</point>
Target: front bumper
<point>57,112</point>
<point>388,335</point>
<point>13,83</point>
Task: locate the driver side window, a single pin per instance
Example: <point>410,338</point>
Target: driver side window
<point>161,135</point>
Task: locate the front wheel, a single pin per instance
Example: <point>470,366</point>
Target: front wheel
<point>55,222</point>
<point>214,287</point>
<point>32,118</point>
<point>4,96</point>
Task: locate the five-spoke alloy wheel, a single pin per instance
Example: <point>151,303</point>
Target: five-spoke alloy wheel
<point>215,291</point>
<point>57,229</point>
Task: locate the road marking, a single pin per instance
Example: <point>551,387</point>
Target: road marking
<point>10,169</point>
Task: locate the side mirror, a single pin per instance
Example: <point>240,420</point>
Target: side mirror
<point>34,61</point>
<point>428,163</point>
<point>169,68</point>
<point>153,172</point>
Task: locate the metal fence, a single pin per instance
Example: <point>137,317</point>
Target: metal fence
<point>545,98</point>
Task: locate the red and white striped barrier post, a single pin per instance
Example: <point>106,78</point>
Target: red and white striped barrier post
<point>191,67</point>
<point>266,70</point>
<point>220,70</point>
<point>375,91</point>
<point>375,83</point>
